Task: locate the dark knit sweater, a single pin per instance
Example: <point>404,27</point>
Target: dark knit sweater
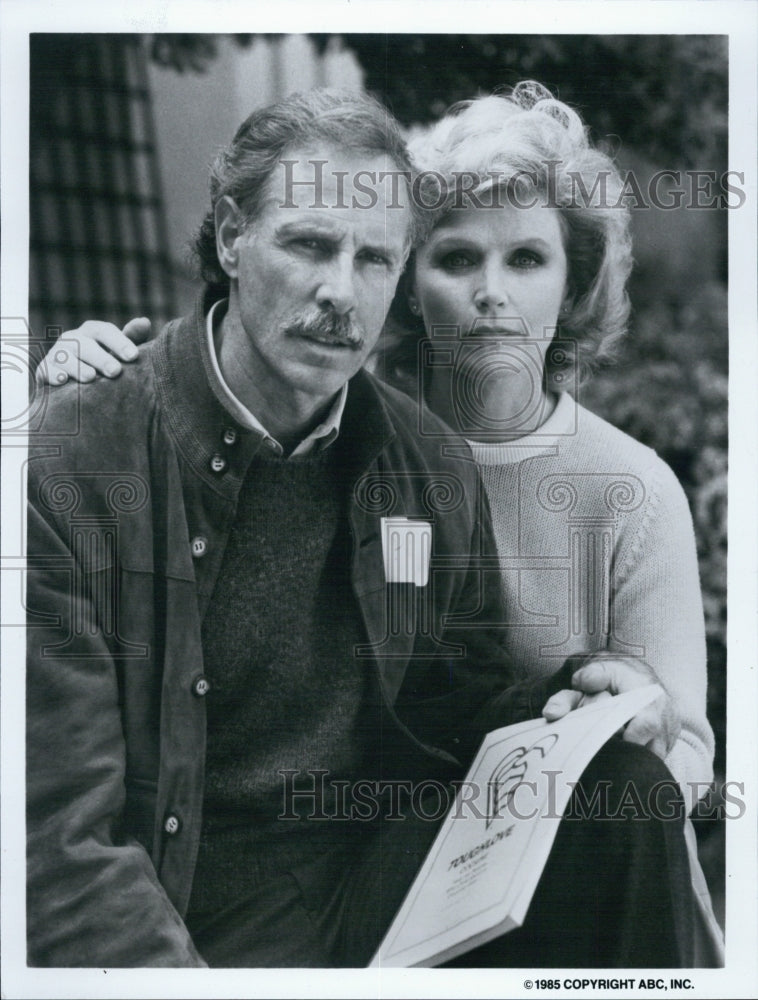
<point>286,690</point>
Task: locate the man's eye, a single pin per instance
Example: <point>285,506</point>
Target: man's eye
<point>307,243</point>
<point>311,246</point>
<point>371,257</point>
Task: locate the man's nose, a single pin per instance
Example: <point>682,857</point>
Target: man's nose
<point>492,293</point>
<point>337,288</point>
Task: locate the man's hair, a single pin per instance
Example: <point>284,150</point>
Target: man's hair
<point>527,144</point>
<point>352,121</point>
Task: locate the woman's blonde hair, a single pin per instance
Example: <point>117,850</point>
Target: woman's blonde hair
<point>522,146</point>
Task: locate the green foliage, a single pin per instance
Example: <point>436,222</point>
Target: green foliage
<point>190,53</point>
<point>664,94</point>
<point>669,390</point>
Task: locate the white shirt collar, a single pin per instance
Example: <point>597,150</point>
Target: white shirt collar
<point>321,436</point>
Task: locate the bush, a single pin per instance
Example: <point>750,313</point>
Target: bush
<point>669,390</point>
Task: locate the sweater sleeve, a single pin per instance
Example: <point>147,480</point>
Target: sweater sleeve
<point>93,896</point>
<point>657,606</point>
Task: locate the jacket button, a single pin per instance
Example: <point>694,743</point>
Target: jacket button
<point>201,686</point>
<point>230,436</point>
<point>199,545</point>
<point>171,825</point>
<point>218,463</point>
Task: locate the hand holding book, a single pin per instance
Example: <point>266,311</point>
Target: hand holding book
<point>657,725</point>
<point>481,872</point>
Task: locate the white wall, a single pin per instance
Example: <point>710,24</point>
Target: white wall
<point>196,114</point>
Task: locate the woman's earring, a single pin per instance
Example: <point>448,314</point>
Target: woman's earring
<point>414,307</point>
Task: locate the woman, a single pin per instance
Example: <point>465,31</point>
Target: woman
<point>518,290</point>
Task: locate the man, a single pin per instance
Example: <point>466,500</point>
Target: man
<point>215,619</point>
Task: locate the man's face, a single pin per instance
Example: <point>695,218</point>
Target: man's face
<point>317,269</point>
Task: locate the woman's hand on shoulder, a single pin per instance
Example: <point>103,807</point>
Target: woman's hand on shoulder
<point>95,348</point>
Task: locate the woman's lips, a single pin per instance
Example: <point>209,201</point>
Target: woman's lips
<point>498,326</point>
<point>482,329</point>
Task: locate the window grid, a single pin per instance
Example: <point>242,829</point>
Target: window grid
<point>98,240</point>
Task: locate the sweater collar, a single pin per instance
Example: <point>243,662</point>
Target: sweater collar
<point>561,424</point>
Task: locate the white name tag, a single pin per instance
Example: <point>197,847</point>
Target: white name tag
<point>407,549</point>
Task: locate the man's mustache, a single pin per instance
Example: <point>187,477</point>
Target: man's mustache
<point>327,325</point>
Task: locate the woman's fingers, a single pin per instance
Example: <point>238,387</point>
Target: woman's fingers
<point>657,726</point>
<point>566,701</point>
<point>94,348</point>
<point>136,330</point>
<point>96,358</point>
<point>63,362</point>
<point>561,704</point>
<point>101,344</point>
<point>611,674</point>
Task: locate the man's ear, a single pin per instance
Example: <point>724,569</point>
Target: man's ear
<point>229,227</point>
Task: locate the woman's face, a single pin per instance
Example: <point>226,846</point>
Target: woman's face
<point>495,280</point>
<point>494,271</point>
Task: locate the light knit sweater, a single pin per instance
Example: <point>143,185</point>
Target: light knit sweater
<point>597,552</point>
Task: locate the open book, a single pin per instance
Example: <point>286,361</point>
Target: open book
<point>480,874</point>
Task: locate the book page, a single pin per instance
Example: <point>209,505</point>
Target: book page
<point>482,870</point>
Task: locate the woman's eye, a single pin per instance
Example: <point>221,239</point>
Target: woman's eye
<point>526,258</point>
<point>456,260</point>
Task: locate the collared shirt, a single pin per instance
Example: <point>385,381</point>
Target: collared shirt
<point>124,750</point>
<point>321,436</point>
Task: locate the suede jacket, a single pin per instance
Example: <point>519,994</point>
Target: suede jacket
<point>132,492</point>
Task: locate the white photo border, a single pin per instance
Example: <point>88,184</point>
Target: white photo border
<point>738,20</point>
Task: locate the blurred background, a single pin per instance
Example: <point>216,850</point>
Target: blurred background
<point>124,126</point>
